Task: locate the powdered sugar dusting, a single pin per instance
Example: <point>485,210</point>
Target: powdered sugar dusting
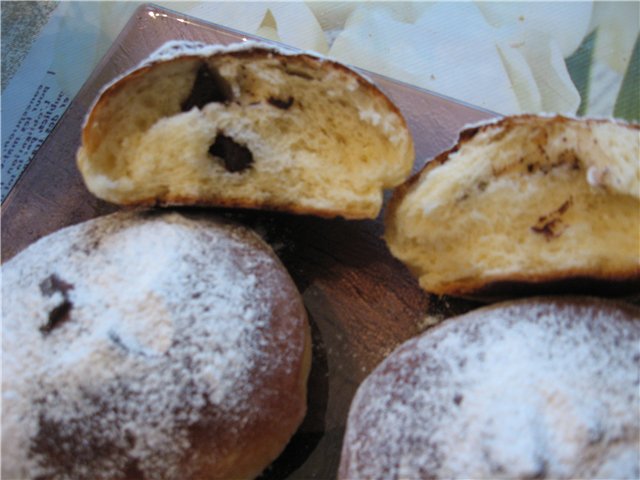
<point>178,48</point>
<point>173,49</point>
<point>170,318</point>
<point>486,122</point>
<point>528,390</point>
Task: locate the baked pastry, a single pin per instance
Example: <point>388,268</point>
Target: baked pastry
<point>525,204</point>
<point>245,125</point>
<point>537,388</point>
<point>150,345</point>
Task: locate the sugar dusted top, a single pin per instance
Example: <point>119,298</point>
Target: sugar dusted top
<point>130,330</point>
<point>531,390</point>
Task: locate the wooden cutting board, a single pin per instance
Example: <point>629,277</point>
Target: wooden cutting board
<point>362,303</point>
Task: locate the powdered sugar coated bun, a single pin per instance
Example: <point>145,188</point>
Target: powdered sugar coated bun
<point>539,388</point>
<point>145,345</point>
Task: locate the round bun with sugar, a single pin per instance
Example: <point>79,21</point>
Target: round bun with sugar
<point>245,125</point>
<point>150,345</point>
<point>537,388</point>
<point>522,205</point>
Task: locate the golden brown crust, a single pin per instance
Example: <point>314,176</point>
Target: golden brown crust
<point>619,284</point>
<point>247,203</point>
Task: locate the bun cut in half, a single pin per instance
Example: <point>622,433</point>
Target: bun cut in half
<point>525,204</point>
<point>245,125</point>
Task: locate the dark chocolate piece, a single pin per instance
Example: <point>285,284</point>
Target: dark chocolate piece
<point>282,104</point>
<point>235,157</point>
<point>53,284</point>
<point>551,225</point>
<point>208,87</point>
<point>60,313</point>
<point>57,316</point>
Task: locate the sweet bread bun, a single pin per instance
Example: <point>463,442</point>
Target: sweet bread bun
<point>245,125</point>
<point>150,346</point>
<point>525,204</point>
<point>540,388</point>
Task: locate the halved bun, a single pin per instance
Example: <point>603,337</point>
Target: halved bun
<point>525,204</point>
<point>247,126</point>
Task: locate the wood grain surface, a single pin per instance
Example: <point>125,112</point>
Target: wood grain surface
<point>362,303</point>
